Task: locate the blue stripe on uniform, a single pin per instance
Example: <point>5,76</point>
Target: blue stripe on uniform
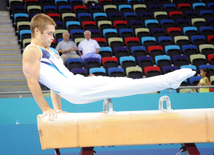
<point>53,66</point>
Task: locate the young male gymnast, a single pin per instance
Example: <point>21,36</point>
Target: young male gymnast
<point>42,64</point>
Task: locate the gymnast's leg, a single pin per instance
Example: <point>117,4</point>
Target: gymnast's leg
<point>90,89</point>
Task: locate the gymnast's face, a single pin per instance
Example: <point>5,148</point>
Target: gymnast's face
<point>47,36</point>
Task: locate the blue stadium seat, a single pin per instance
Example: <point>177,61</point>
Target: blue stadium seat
<point>68,23</point>
<point>96,8</point>
<point>206,30</point>
<point>91,63</point>
<point>51,7</point>
<point>116,72</point>
<point>135,24</point>
<point>191,14</point>
<point>164,41</point>
<point>157,32</point>
<point>138,51</point>
<point>64,9</point>
<point>127,61</point>
<point>193,67</point>
<point>128,16</point>
<point>109,31</point>
<point>121,51</point>
<point>162,60</point>
<point>16,15</point>
<point>115,16</point>
<point>17,9</point>
<point>97,71</point>
<point>76,33</point>
<point>167,69</point>
<point>105,49</point>
<point>210,5</point>
<point>151,23</point>
<point>210,22</point>
<point>74,63</point>
<point>60,25</point>
<point>60,1</point>
<point>22,32</point>
<point>172,50</point>
<point>183,23</point>
<point>211,67</point>
<point>145,15</point>
<point>123,6</point>
<point>126,32</point>
<point>165,23</point>
<point>145,61</point>
<point>190,31</point>
<point>84,15</point>
<point>198,40</point>
<point>81,71</point>
<point>198,6</point>
<point>189,50</point>
<point>99,15</point>
<point>180,60</point>
<point>169,7</point>
<point>148,41</point>
<point>194,80</point>
<point>95,33</point>
<point>206,14</point>
<point>161,57</point>
<point>154,7</point>
<point>105,52</point>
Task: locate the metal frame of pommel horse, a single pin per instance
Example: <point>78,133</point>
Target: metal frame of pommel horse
<point>125,128</point>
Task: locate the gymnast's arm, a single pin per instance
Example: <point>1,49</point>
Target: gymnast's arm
<point>56,100</point>
<point>31,65</point>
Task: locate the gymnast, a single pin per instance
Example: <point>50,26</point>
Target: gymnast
<point>42,64</point>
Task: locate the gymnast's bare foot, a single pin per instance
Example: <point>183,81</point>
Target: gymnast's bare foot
<point>91,75</point>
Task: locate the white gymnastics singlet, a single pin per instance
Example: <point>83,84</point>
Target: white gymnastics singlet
<point>52,71</point>
<point>79,89</point>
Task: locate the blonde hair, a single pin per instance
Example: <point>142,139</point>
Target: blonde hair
<point>40,21</point>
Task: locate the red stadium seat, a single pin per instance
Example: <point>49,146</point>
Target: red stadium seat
<point>105,59</point>
<point>173,29</point>
<point>53,14</point>
<point>183,5</point>
<point>176,15</point>
<point>117,22</point>
<point>101,41</point>
<point>171,13</point>
<point>151,71</point>
<point>87,25</point>
<point>80,7</point>
<point>151,48</point>
<point>31,1</point>
<point>109,62</point>
<point>210,39</point>
<point>211,59</point>
<point>128,39</point>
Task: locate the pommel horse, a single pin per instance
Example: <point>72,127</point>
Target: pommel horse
<point>110,128</point>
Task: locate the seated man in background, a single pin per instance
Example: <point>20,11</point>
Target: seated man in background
<point>67,48</point>
<point>89,47</point>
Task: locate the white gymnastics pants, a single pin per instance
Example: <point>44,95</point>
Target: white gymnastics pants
<point>80,89</point>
